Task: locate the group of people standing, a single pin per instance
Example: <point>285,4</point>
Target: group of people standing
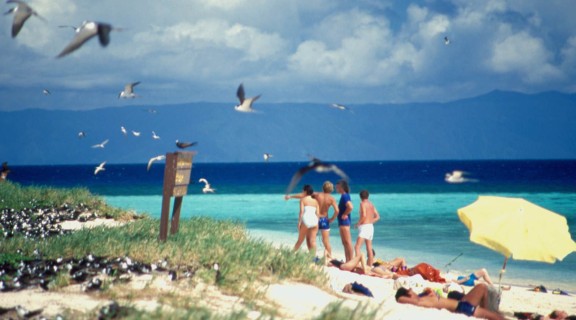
<point>313,216</point>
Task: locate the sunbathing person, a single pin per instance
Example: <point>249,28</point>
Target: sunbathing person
<point>472,304</point>
<point>474,278</point>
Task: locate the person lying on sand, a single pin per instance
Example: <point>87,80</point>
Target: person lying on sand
<point>472,304</point>
<point>474,278</point>
<point>556,314</point>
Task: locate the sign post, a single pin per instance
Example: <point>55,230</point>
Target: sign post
<point>176,180</point>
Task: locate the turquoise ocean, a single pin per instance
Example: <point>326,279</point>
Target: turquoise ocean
<point>418,208</point>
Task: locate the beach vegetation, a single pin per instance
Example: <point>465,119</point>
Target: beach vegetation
<point>205,251</point>
<point>17,197</point>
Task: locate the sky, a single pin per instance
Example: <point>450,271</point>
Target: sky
<point>320,51</point>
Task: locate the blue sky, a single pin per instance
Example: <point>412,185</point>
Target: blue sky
<point>351,52</point>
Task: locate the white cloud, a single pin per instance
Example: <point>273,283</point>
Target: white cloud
<point>524,54</point>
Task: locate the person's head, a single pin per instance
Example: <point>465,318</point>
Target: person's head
<point>343,187</point>
<point>403,295</point>
<point>328,187</point>
<point>307,189</point>
<point>364,194</point>
<point>558,314</point>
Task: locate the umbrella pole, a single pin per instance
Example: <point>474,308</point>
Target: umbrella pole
<point>502,273</point>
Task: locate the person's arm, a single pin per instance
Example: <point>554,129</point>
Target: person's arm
<point>349,208</point>
<point>335,206</point>
<point>361,214</point>
<point>376,216</point>
<point>293,196</point>
<point>301,213</point>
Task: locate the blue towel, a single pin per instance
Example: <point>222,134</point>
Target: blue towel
<point>356,287</point>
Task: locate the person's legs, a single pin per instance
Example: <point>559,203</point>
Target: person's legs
<point>478,296</point>
<point>398,263</point>
<point>301,236</point>
<point>326,241</point>
<point>347,242</point>
<point>370,252</point>
<point>311,239</point>
<point>358,246</point>
<point>483,274</point>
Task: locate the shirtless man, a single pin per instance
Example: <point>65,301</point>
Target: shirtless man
<point>325,201</point>
<point>474,303</point>
<point>368,215</point>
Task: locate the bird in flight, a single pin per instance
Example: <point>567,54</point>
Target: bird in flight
<point>155,136</point>
<point>85,32</point>
<point>46,92</point>
<point>81,134</point>
<point>207,188</point>
<point>128,91</point>
<point>153,159</point>
<point>136,133</point>
<point>267,156</point>
<point>318,166</point>
<point>99,168</point>
<point>446,41</point>
<point>245,103</point>
<point>184,145</point>
<point>101,145</point>
<point>22,12</point>
<point>124,131</point>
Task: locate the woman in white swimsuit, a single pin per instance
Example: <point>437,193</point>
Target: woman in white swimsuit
<point>307,220</point>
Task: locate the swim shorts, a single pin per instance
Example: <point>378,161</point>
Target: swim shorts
<point>309,217</point>
<point>466,308</point>
<point>323,223</point>
<point>366,231</point>
<point>470,281</point>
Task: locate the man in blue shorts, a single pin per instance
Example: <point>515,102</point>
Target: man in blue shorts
<point>344,210</point>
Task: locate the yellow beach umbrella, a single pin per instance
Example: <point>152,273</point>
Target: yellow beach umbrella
<point>517,229</point>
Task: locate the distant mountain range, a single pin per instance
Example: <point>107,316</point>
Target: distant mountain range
<point>497,125</point>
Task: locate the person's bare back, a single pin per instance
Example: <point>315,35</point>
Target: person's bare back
<point>326,200</point>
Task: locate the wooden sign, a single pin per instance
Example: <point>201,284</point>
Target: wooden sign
<point>176,179</point>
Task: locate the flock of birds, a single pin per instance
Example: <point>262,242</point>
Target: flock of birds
<point>90,29</point>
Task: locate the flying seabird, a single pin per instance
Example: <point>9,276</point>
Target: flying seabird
<point>124,132</point>
<point>128,91</point>
<point>136,133</point>
<point>87,30</point>
<point>207,187</point>
<point>318,166</point>
<point>446,41</point>
<point>267,156</point>
<point>245,104</point>
<point>81,134</point>
<point>156,158</point>
<point>184,145</point>
<point>46,92</point>
<point>99,168</point>
<point>21,13</point>
<point>155,136</point>
<point>100,145</point>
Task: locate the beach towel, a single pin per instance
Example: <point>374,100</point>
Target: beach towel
<point>359,288</point>
<point>427,272</point>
